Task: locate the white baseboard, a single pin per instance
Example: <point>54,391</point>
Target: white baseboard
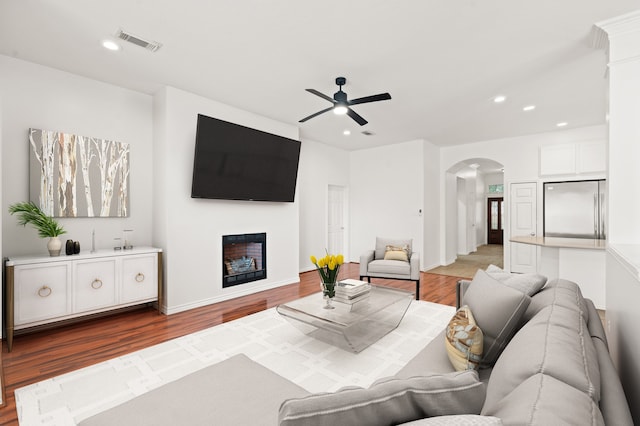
<point>228,294</point>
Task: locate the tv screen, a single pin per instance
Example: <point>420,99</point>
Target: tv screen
<point>234,162</point>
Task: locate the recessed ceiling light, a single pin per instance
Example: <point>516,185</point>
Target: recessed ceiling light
<point>346,132</point>
<point>110,45</point>
<point>562,124</point>
<point>529,108</point>
<point>500,98</point>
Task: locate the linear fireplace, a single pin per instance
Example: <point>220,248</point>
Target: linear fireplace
<point>244,258</point>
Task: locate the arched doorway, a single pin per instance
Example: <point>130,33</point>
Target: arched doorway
<point>469,186</point>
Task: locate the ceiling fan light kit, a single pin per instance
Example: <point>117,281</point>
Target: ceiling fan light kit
<point>341,104</point>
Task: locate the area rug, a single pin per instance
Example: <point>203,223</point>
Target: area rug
<point>265,337</point>
<point>467,265</point>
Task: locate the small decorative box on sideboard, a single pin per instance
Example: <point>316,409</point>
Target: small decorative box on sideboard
<point>41,290</point>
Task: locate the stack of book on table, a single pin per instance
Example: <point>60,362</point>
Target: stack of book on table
<point>352,292</point>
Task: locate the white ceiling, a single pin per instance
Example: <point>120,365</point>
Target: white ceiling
<point>441,61</point>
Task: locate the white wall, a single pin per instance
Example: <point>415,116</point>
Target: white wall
<point>481,209</point>
<point>387,189</point>
<point>449,228</point>
<point>462,213</point>
<point>191,230</point>
<point>431,206</point>
<point>320,166</point>
<point>1,215</point>
<point>49,99</point>
<point>623,286</point>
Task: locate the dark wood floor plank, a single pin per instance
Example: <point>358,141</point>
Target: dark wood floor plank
<point>45,354</point>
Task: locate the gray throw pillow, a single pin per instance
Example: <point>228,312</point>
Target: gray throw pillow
<point>389,401</point>
<point>529,284</point>
<point>497,310</point>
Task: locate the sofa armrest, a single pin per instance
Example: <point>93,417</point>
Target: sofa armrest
<point>461,288</point>
<point>415,266</point>
<point>613,402</point>
<point>365,258</point>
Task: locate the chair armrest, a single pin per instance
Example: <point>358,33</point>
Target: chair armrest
<point>461,287</point>
<point>415,265</point>
<point>365,258</point>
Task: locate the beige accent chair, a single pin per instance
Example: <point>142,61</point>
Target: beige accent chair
<point>373,263</point>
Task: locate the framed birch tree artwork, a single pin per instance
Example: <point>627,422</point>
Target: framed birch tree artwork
<point>78,176</point>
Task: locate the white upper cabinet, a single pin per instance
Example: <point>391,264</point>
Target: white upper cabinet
<point>574,158</point>
<point>558,159</point>
<point>591,157</point>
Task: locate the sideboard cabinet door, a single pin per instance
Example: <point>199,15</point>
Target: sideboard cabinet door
<point>139,278</point>
<point>94,286</point>
<point>41,292</point>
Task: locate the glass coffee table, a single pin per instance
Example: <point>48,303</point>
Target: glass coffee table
<point>344,327</point>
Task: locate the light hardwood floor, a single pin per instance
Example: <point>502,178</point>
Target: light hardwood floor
<point>45,354</point>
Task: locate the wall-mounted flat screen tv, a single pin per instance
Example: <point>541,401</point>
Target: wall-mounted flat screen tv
<point>234,162</point>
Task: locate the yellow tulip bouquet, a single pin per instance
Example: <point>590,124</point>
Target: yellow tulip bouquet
<point>328,268</point>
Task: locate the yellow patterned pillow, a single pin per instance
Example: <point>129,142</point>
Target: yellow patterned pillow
<point>463,341</point>
<point>396,253</point>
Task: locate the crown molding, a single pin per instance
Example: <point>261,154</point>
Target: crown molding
<point>620,25</point>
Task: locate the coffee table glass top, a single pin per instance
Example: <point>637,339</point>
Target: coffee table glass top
<point>350,327</point>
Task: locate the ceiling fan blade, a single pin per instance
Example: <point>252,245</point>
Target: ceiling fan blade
<point>372,98</point>
<point>357,117</point>
<point>322,95</point>
<point>315,115</point>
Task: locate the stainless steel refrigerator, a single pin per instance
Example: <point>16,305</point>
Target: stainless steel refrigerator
<point>575,209</point>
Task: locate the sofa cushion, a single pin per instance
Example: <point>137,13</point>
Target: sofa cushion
<point>463,341</point>
<point>388,401</point>
<point>390,267</point>
<point>557,292</point>
<point>543,400</point>
<point>529,284</point>
<point>382,243</point>
<point>459,420</point>
<point>497,309</point>
<point>555,342</point>
<point>433,359</point>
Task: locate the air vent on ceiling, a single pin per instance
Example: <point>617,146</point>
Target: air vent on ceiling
<point>149,45</point>
<point>367,133</point>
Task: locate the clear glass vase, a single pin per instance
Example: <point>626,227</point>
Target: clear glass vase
<point>328,293</point>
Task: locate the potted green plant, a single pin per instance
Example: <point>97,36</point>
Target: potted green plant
<point>47,227</point>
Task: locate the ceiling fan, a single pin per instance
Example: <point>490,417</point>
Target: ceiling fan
<point>342,106</point>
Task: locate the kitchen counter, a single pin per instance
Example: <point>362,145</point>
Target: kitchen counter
<point>575,243</point>
<point>579,260</point>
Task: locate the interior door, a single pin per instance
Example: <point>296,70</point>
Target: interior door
<point>335,220</point>
<point>523,222</point>
<point>495,215</point>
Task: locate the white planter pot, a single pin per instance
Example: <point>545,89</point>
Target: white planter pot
<point>54,246</point>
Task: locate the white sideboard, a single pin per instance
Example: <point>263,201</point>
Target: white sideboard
<point>42,290</point>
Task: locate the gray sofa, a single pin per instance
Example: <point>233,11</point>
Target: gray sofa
<point>546,362</point>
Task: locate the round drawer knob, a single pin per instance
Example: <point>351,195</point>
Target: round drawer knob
<point>140,277</point>
<point>96,284</point>
<point>44,291</point>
